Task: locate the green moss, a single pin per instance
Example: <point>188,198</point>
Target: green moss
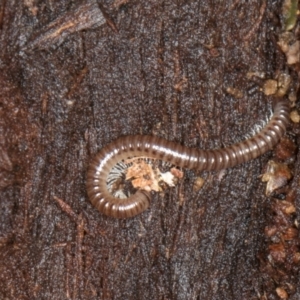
<point>291,15</point>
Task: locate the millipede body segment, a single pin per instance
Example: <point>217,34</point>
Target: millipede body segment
<point>181,156</point>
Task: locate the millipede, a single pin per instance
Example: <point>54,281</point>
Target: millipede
<point>176,154</point>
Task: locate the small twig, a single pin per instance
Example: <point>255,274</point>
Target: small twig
<point>78,279</point>
<point>108,19</point>
<point>257,23</point>
<point>69,211</point>
<point>79,18</point>
<point>118,3</point>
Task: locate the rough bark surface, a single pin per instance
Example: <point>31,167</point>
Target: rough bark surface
<point>74,76</point>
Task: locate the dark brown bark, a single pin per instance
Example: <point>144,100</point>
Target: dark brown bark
<point>74,76</point>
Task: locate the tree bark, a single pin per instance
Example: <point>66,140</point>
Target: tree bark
<point>75,75</point>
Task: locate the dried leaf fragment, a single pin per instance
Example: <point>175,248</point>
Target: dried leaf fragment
<point>295,117</point>
<point>270,87</point>
<point>293,97</point>
<point>296,258</point>
<point>145,176</point>
<point>177,173</point>
<point>282,294</point>
<point>279,86</point>
<point>287,207</point>
<point>283,82</point>
<point>285,40</point>
<point>290,234</point>
<point>198,184</point>
<point>293,53</point>
<point>285,149</point>
<point>277,252</point>
<point>270,231</point>
<point>168,178</point>
<point>290,47</point>
<point>276,176</point>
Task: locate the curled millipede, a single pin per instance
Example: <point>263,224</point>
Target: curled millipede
<point>190,158</point>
